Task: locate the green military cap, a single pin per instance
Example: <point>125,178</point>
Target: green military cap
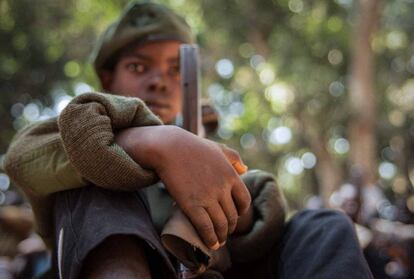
<point>140,22</point>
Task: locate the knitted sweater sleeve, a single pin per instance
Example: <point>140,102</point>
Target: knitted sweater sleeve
<point>37,162</point>
<point>88,126</point>
<point>270,209</point>
<point>78,148</point>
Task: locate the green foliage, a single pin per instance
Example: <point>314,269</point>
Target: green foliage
<point>289,74</point>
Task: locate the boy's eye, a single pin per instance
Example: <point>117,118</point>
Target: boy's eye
<point>175,70</point>
<point>136,67</point>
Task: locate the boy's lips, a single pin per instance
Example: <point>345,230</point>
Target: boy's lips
<point>157,107</point>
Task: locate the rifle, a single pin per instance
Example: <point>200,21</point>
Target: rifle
<point>191,111</point>
<point>190,88</point>
<point>179,235</point>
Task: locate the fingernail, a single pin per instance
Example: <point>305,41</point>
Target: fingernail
<point>215,246</point>
<point>240,167</point>
<point>223,243</point>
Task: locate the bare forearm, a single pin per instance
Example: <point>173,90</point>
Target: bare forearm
<point>143,143</point>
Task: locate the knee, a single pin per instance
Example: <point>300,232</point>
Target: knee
<point>322,219</point>
<point>118,256</point>
<point>327,215</point>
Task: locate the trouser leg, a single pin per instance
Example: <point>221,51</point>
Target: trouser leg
<point>320,244</point>
<point>85,217</point>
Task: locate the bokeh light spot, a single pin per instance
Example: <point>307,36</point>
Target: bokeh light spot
<point>225,68</point>
<point>335,24</point>
<point>294,166</point>
<point>224,133</point>
<point>344,3</point>
<point>280,135</point>
<point>72,69</point>
<point>410,203</point>
<point>296,6</point>
<point>399,185</point>
<point>341,146</point>
<point>308,160</point>
<point>335,57</point>
<point>4,182</point>
<point>396,40</point>
<point>256,60</point>
<point>387,170</point>
<point>17,110</point>
<point>267,76</point>
<point>280,93</point>
<point>81,88</point>
<point>248,141</point>
<point>61,102</point>
<point>31,112</point>
<point>396,118</point>
<point>336,89</point>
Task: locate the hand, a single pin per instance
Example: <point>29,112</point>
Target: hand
<point>199,174</point>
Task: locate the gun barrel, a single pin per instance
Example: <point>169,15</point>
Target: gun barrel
<point>190,84</point>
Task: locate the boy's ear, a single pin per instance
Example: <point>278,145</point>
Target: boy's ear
<point>106,78</point>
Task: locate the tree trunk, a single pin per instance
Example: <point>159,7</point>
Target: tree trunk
<point>328,171</point>
<point>362,99</point>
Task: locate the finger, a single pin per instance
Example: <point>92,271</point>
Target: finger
<point>241,197</point>
<point>204,226</point>
<point>230,210</point>
<point>240,167</point>
<point>220,223</point>
<point>245,222</point>
<point>234,158</point>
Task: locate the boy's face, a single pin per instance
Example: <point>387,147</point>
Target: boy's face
<point>150,72</point>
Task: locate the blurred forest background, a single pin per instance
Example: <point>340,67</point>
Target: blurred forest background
<point>318,92</point>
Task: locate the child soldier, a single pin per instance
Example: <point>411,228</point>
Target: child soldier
<point>90,173</point>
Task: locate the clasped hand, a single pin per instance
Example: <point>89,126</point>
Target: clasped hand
<point>201,175</point>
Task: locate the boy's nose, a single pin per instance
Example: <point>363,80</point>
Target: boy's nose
<point>157,83</point>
